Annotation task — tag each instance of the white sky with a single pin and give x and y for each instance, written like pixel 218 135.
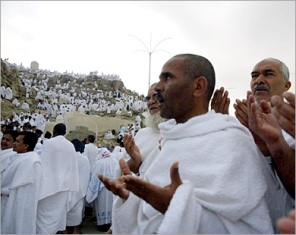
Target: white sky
pixel 84 36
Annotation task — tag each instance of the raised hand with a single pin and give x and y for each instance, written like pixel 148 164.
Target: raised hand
pixel 134 152
pixel 220 101
pixel 266 125
pixel 117 186
pixel 156 196
pixel 262 121
pixel 241 112
pixel 285 112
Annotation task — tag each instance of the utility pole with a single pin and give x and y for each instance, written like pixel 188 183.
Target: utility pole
pixel 150 52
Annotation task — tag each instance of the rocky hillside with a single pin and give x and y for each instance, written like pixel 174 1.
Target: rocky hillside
pixel 11 76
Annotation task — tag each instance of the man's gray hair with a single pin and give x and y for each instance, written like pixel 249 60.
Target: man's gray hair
pixel 284 68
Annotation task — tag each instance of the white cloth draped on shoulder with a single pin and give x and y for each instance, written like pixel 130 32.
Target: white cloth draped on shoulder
pixel 218 156
pixel 59 180
pixel 20 187
pixel 75 215
pixel 6 158
pixel 59 167
pixel 97 192
pixel 91 151
pixel 147 140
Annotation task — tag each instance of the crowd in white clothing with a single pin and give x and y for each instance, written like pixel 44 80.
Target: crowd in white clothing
pixel 37 120
pixel 64 96
pixel 58 205
pixel 159 187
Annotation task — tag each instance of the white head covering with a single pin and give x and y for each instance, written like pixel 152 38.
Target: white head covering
pixel 103 153
pixel 117 153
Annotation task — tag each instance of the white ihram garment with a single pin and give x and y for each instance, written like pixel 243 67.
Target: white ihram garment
pixel 223 187
pixel 59 179
pixel 75 215
pixel 147 140
pixel 91 151
pixel 5 158
pixel 20 187
pixel 97 192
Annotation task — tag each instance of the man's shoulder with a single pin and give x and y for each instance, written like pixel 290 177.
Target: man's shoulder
pixel 7 152
pixel 82 158
pixel 147 130
pixel 34 156
pixel 92 145
pixel 28 158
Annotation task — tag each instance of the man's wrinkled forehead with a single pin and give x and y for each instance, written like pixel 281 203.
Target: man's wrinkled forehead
pixel 266 65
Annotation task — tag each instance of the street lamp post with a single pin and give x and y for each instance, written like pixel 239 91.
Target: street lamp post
pixel 150 52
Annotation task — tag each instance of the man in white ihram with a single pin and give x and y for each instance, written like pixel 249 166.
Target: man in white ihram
pixel 142 149
pixel 75 215
pixel 220 187
pixel 20 187
pixel 7 141
pixel 59 181
pixel 91 150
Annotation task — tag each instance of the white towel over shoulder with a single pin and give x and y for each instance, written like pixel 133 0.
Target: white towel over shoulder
pixel 222 180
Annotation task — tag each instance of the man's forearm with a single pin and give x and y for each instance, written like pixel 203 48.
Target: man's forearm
pixel 284 158
pixel 261 144
pixel 134 165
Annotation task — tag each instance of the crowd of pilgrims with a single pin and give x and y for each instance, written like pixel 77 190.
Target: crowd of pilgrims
pixel 69 176
pixel 52 104
pixel 65 97
pixel 93 200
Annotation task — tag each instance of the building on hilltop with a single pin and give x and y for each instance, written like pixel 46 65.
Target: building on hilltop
pixel 34 65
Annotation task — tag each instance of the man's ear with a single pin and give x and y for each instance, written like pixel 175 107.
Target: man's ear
pixel 287 85
pixel 200 86
pixel 26 146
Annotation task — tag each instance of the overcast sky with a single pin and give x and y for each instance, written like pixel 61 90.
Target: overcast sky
pixel 85 36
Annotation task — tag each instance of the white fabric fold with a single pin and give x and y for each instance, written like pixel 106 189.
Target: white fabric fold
pixel 96 191
pixel 5 158
pixel 174 223
pixel 59 167
pixel 218 156
pixel 20 186
pixel 76 203
pixel 60 178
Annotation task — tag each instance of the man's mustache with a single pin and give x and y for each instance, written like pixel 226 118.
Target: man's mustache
pixel 261 86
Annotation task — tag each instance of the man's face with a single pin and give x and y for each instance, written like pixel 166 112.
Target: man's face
pixel 3 129
pixel 7 142
pixel 267 80
pixel 176 91
pixel 19 145
pixel 152 102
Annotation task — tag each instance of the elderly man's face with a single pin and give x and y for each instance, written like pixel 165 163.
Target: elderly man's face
pixel 268 80
pixel 152 102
